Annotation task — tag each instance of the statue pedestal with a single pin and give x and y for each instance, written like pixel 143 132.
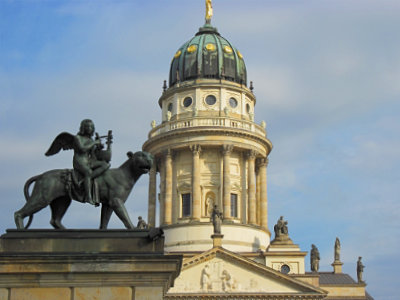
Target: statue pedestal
pixel 217 239
pixel 337 266
pixel 85 264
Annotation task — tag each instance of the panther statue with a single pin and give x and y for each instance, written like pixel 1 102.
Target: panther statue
pixel 114 185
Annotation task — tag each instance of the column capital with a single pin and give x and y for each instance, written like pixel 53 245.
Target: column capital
pixel 168 153
pixel 262 162
pixel 196 149
pixel 227 149
pixel 251 154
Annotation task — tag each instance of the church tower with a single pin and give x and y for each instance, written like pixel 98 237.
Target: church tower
pixel 209 150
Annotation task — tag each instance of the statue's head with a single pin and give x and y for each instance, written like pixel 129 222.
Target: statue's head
pixel 141 161
pixel 86 128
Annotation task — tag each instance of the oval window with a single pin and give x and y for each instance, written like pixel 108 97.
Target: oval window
pixel 187 102
pixel 211 100
pixel 233 102
pixel 285 269
pixel 248 108
pixel 170 107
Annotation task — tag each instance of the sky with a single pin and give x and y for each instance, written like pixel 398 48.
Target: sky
pixel 326 76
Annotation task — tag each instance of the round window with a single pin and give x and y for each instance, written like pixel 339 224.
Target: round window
pixel 211 100
pixel 170 107
pixel 248 108
pixel 233 102
pixel 285 269
pixel 187 102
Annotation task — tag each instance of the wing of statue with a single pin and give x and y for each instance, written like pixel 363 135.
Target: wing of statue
pixel 63 141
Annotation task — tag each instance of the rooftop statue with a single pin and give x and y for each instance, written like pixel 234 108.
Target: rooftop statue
pixel 281 228
pixel 360 270
pixel 314 258
pixel 209 11
pixel 90 181
pixel 337 250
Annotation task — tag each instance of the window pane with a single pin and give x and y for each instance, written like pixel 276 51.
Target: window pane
pixel 186 205
pixel 234 205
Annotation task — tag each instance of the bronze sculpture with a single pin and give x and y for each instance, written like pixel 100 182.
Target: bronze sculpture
pixel 314 258
pixel 89 160
pixel 58 188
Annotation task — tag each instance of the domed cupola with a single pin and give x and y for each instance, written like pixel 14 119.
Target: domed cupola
pixel 207 55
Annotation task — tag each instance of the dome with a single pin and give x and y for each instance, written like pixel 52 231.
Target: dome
pixel 207 55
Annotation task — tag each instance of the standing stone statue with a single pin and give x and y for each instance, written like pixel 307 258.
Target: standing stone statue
pixel 337 249
pixel 216 219
pixel 314 258
pixel 360 270
pixel 281 228
pixel 141 223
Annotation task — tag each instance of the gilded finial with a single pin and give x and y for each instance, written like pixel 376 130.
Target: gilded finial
pixel 209 11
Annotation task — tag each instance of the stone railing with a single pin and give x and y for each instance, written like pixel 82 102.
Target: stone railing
pixel 216 122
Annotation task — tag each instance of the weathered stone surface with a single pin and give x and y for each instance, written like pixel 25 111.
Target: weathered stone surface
pixel 41 294
pixel 80 241
pixel 3 294
pixel 103 293
pixel 84 264
pixel 148 293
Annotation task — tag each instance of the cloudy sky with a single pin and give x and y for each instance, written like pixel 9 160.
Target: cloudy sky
pixel 327 81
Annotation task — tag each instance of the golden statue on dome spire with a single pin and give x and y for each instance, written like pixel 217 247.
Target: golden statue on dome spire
pixel 209 11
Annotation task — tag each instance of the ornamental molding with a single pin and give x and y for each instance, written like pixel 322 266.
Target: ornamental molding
pixel 188 132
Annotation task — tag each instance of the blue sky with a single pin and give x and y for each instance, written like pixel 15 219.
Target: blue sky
pixel 326 77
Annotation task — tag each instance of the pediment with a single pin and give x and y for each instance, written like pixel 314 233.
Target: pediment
pixel 221 271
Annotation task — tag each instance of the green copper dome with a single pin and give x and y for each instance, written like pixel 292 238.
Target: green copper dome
pixel 207 55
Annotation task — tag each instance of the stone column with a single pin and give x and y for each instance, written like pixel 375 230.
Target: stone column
pixel 196 192
pixel 263 193
pixel 252 187
pixel 258 194
pixel 168 188
pixel 162 193
pixel 151 212
pixel 227 150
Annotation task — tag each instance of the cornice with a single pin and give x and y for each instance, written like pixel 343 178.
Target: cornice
pixel 207 131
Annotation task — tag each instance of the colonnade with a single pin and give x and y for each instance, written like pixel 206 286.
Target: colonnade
pixel 256 195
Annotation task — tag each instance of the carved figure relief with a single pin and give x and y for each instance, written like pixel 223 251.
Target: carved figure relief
pixel 216 278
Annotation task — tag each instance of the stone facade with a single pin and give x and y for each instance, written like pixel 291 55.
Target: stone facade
pixel 84 264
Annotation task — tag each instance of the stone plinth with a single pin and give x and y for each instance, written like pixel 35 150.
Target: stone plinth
pixel 85 264
pixel 217 239
pixel 337 266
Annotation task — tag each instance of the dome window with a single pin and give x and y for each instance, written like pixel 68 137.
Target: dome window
pixel 285 269
pixel 187 102
pixel 233 102
pixel 211 100
pixel 177 54
pixel 239 54
pixel 192 48
pixel 170 106
pixel 248 108
pixel 228 50
pixel 210 47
